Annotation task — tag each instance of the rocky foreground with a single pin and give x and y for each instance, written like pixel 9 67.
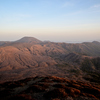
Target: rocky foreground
pixel 49 88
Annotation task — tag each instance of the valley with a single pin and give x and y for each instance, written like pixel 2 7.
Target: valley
pixel 30 57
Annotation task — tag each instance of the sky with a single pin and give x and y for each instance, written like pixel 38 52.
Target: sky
pixel 53 20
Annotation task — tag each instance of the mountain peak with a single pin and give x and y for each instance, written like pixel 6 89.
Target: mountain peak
pixel 28 40
pixel 95 42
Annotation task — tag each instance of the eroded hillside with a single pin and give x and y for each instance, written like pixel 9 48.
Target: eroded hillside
pixel 31 57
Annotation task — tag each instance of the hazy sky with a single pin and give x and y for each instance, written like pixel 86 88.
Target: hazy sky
pixel 54 20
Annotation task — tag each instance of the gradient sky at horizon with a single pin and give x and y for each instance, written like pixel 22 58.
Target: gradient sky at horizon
pixel 54 20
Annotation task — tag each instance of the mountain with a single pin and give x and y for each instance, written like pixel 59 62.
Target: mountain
pixel 28 40
pixel 31 57
pixel 3 43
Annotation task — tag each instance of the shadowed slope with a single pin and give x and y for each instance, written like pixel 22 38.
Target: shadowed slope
pixel 49 88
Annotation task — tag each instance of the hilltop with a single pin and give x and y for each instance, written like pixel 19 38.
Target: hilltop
pixel 29 56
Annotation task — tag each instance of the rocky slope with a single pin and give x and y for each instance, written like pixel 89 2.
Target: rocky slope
pixel 31 57
pixel 49 88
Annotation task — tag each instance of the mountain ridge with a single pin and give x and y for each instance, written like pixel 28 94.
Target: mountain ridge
pixel 30 55
pixel 27 39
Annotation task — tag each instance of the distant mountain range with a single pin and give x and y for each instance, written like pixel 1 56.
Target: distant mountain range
pixel 30 57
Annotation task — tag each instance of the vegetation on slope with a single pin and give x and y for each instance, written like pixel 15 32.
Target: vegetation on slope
pixel 49 88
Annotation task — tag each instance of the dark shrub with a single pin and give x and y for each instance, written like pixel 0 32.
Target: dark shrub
pixel 56 93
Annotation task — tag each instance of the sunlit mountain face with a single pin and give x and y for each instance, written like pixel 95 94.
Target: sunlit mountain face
pixel 73 69
pixel 29 56
pixel 58 56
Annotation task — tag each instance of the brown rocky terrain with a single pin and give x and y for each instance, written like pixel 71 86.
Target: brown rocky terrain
pixel 49 88
pixel 30 57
